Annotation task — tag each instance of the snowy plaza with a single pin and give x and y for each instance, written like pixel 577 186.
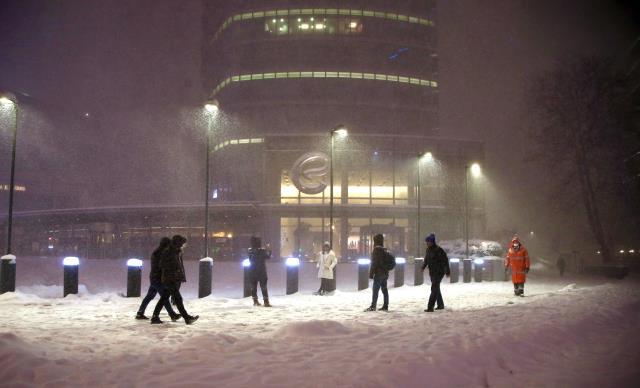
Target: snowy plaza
pixel 264 167
pixel 572 331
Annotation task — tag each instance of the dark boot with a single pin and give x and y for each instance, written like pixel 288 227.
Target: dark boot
pixel 255 302
pixel 384 308
pixel 266 303
pixel 428 310
pixel 140 315
pixel 155 320
pixel 370 308
pixel 189 319
pixel 176 317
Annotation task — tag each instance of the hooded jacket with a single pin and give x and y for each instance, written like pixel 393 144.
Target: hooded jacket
pixel 436 259
pixel 518 262
pixel 172 267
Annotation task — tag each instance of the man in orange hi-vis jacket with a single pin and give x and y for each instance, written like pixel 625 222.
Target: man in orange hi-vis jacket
pixel 518 261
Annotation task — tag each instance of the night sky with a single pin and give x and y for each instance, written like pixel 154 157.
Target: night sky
pixel 112 86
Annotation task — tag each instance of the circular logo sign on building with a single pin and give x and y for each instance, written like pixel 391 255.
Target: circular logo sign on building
pixel 309 173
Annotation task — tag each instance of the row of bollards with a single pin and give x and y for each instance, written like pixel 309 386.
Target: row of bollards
pixel 478 269
pixel 470 268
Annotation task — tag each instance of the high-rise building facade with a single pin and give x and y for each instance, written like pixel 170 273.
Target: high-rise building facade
pixel 288 72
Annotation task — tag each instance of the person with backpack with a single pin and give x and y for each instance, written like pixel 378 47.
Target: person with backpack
pixel 326 262
pixel 155 282
pixel 258 270
pixel 436 259
pixel 381 263
pixel 172 275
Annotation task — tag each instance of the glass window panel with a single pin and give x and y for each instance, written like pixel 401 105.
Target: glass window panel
pixel 288 228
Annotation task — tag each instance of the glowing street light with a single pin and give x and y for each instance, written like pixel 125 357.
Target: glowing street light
pixel 476 171
pixel 211 108
pixel 8 100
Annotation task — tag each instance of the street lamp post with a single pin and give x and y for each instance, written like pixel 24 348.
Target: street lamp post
pixel 475 171
pixel 211 107
pixel 427 157
pixel 340 130
pixel 418 236
pixel 7 98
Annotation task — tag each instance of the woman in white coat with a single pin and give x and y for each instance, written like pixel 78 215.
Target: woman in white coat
pixel 326 262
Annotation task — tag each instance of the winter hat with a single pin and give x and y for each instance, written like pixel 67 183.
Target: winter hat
pixel 178 240
pixel 164 242
pixel 255 242
pixel 327 244
pixel 431 237
pixel 378 239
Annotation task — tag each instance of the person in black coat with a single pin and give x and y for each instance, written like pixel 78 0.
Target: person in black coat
pixel 172 275
pixel 379 273
pixel 155 282
pixel 561 264
pixel 258 270
pixel 436 259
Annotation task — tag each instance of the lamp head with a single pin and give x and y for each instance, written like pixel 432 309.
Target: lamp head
pixel 340 130
pixel 476 171
pixel 8 98
pixel 212 106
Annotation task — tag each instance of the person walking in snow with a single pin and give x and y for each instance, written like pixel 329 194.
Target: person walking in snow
pixel 435 258
pixel 326 263
pixel 155 282
pixel 518 261
pixel 561 264
pixel 379 272
pixel 172 275
pixel 258 270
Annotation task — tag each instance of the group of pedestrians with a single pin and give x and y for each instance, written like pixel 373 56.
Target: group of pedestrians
pixel 167 274
pixel 436 260
pixel 382 262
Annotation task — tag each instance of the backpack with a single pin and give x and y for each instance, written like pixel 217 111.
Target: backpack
pixel 389 261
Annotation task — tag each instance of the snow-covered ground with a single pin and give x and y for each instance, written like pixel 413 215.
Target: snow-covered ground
pixel 565 332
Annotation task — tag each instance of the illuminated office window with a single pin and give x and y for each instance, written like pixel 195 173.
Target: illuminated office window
pixel 318 20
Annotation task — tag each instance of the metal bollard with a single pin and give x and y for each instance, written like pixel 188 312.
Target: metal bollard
pixel 488 271
pixel 205 276
pixel 70 265
pixel 398 275
pixel 478 266
pixel 134 278
pixel 466 270
pixel 293 266
pixel 454 267
pixel 363 273
pixel 246 265
pixel 7 274
pixel 331 283
pixel 418 274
